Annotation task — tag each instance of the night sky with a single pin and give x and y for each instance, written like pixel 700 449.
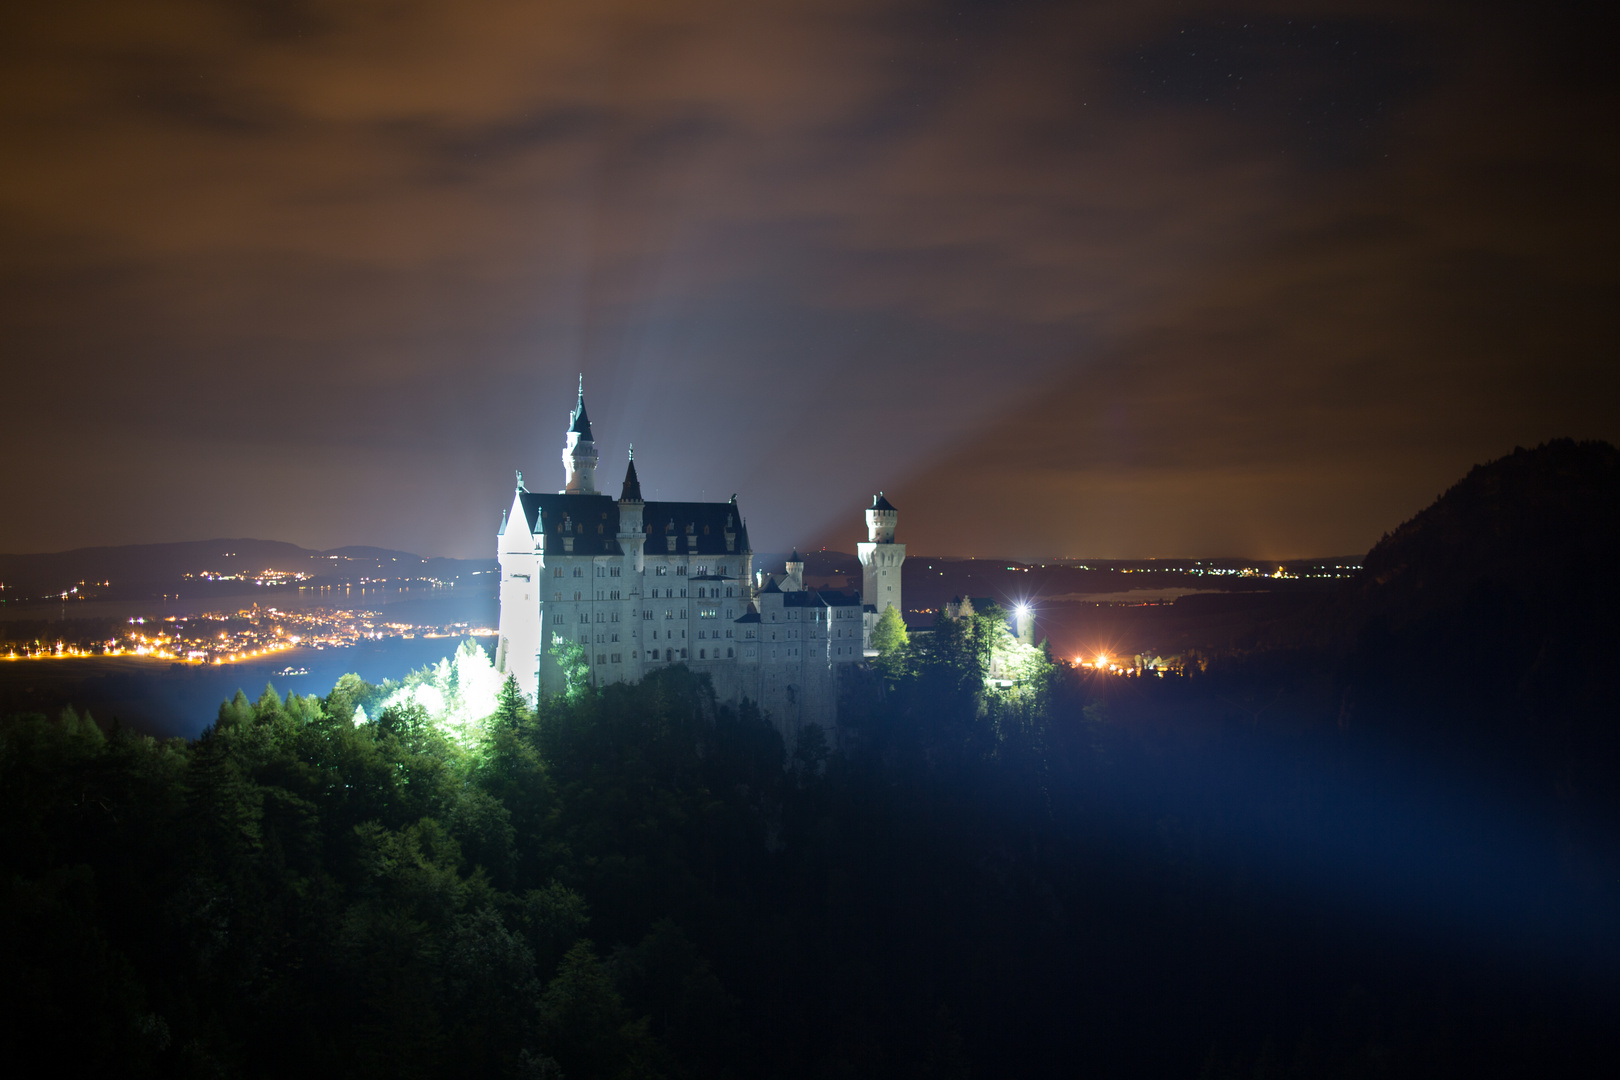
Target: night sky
pixel 1062 279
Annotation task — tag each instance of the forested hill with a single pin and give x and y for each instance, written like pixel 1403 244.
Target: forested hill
pixel 1542 524
pixel 1494 609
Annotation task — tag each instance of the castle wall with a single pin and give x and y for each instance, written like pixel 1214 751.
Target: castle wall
pixel 645 585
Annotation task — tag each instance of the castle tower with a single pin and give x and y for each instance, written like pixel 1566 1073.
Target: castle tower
pixel 579 452
pixel 795 573
pixel 519 552
pixel 632 537
pixel 881 558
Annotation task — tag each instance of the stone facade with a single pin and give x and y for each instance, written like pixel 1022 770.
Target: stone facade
pixel 642 585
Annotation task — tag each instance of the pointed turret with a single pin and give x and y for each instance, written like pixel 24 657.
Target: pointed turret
pixel 579 451
pixel 632 483
pixel 795 573
pixel 578 422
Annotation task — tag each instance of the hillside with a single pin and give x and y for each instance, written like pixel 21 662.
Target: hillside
pixel 1495 606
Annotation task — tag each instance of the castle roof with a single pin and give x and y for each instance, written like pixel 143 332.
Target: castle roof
pixel 632 483
pixel 795 557
pixel 592 520
pixel 582 514
pixel 708 522
pixel 878 501
pixel 577 420
pixel 817 598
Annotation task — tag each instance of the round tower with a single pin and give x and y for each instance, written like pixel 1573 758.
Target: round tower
pixel 881 517
pixel 881 559
pixel 795 573
pixel 579 451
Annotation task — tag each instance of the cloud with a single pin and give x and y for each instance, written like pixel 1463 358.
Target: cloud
pixel 1218 279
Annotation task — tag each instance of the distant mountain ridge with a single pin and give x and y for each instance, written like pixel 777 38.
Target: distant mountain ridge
pixel 139 569
pixel 1540 522
pixel 1495 606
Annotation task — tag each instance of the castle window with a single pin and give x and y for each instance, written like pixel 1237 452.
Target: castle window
pixel 728 633
pixel 683 592
pixel 654 654
pixel 617 657
pixel 578 595
pixel 613 637
pixel 728 590
pixel 614 572
pixel 579 571
pixel 683 654
pixel 663 571
pixel 556 596
pixel 728 653
pixel 598 616
pixel 646 614
pixel 668 613
pixel 557 572
pixel 601 658
pixel 599 530
pixel 703 654
pixel 680 571
pixel 702 569
pixel 601 571
pixel 721 571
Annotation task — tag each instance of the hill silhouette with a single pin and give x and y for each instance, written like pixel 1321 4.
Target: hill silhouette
pixel 1493 609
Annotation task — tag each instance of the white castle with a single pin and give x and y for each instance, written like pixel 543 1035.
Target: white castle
pixel 643 585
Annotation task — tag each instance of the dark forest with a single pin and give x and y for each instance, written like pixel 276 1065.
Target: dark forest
pixel 1387 851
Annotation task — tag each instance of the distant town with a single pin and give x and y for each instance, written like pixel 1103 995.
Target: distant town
pixel 227 637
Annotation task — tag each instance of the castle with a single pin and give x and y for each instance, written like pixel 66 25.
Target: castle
pixel 642 585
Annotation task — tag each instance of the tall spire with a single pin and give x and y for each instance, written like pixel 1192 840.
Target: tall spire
pixel 579 451
pixel 632 483
pixel 578 422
